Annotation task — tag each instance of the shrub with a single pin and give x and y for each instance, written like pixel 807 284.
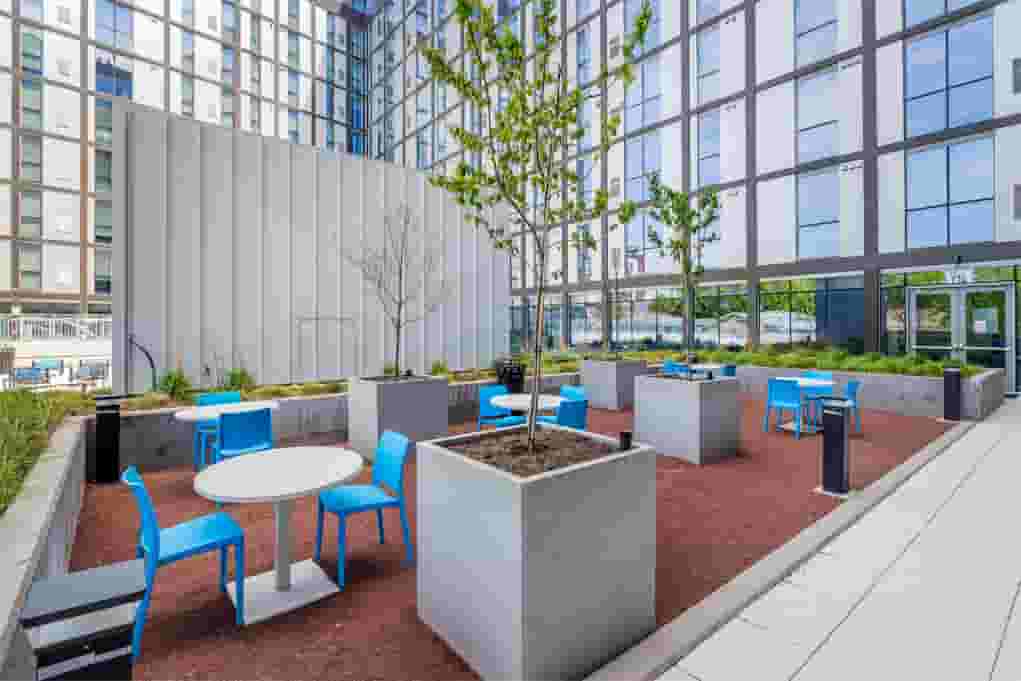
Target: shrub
pixel 148 401
pixel 439 368
pixel 26 420
pixel 175 384
pixel 239 379
pixel 389 369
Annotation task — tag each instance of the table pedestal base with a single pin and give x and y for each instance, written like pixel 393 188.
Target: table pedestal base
pixel 806 427
pixel 262 600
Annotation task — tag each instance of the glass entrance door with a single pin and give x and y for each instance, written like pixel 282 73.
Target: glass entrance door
pixel 974 324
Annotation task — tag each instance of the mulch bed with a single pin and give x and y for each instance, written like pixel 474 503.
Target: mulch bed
pixel 553 449
pixel 712 522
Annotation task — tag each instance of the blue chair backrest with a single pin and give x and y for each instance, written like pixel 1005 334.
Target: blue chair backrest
pixel 207 399
pixel 672 367
pixel 25 374
pixel 852 390
pixel 821 375
pixel 573 414
pixel 572 392
pixel 487 393
pixel 245 429
pixel 47 364
pixel 729 370
pixel 388 468
pixel 783 392
pixel 150 534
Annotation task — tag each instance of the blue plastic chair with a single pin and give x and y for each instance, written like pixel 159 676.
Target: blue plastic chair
pixel 570 414
pixel 48 364
pixel 573 392
pixel 783 395
pixel 387 472
pixel 490 415
pixel 243 432
pixel 672 367
pixel 205 431
pixel 159 547
pixel 729 370
pixel 816 392
pixel 852 397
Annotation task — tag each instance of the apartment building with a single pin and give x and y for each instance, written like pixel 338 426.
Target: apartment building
pixel 284 68
pixel 867 154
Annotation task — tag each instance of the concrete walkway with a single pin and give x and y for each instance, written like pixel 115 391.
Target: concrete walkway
pixel 924 586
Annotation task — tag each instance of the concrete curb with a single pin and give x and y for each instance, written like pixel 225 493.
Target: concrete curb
pixel 672 642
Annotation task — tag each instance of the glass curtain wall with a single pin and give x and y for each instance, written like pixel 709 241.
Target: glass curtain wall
pixel 825 311
pixel 721 316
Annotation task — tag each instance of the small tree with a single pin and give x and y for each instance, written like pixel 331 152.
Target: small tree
pixel 525 125
pixel 397 271
pixel 685 220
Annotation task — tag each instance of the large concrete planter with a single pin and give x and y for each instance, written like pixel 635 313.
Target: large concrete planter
pixel 611 385
pixel 415 407
pixel 545 577
pixel 698 421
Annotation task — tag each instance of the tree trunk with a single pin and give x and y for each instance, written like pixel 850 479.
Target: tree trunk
pixel 540 318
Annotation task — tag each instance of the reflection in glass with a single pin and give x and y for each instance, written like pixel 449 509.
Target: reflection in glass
pixel 933 322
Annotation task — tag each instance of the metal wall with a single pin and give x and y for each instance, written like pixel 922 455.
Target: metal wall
pixel 229 252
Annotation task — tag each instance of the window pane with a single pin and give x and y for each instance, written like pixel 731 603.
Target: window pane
pixel 927 228
pixel 971 103
pixel 814 13
pixel 816 103
pixel 820 241
pixel 819 44
pixel 709 134
pixel 709 171
pixel 707 9
pixel 971 170
pixel 970 51
pixel 926 114
pixel 972 222
pixel 708 51
pixel 818 197
pixel 925 66
pixel 927 181
pixel 917 11
pixel 708 88
pixel 819 142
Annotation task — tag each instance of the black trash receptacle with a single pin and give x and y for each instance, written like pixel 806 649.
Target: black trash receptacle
pixel 836 424
pixel 80 624
pixel 952 394
pixel 512 376
pixel 103 465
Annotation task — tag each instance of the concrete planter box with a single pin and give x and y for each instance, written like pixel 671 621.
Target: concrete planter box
pixel 545 577
pixel 698 421
pixel 611 385
pixel 981 395
pixel 416 408
pixel 154 440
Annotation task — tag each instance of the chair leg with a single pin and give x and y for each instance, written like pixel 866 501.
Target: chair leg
pixel 765 420
pixel 319 530
pixel 140 614
pixel 341 550
pixel 408 551
pixel 239 581
pixel 379 521
pixel 797 423
pixel 223 569
pixel 195 448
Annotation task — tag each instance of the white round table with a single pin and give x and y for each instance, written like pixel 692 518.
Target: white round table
pixel 280 476
pixel 213 411
pixel 522 402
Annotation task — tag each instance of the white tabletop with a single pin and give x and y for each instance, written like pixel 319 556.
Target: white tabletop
pixel 213 411
pixel 277 474
pixel 523 402
pixel 806 382
pixel 707 367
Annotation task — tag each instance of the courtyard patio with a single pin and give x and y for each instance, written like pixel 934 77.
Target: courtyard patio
pixel 713 522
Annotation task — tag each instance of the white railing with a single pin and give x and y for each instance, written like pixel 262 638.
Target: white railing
pixel 29 328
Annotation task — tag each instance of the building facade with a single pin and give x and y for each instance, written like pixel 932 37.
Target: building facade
pixel 284 68
pixel 867 154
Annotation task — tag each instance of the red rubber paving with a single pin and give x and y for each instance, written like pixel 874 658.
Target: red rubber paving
pixel 712 521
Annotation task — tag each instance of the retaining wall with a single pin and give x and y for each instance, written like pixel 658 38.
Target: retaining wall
pixel 37 534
